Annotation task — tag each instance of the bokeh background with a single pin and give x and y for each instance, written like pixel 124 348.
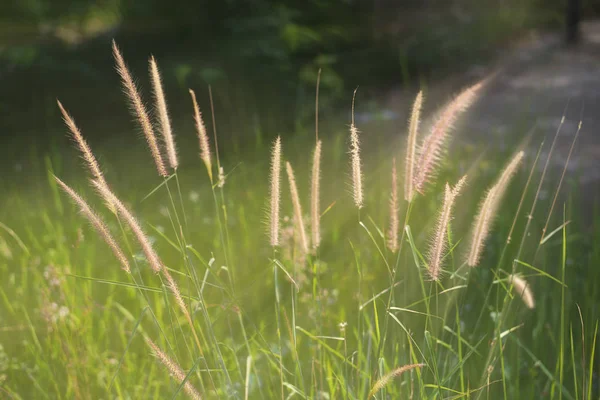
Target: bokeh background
pixel 261 60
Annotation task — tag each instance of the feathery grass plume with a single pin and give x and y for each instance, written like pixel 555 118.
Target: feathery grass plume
pixel 384 380
pixel 430 151
pixel 202 136
pixel 142 238
pixel 393 231
pixel 440 241
pixel 488 210
pixel 139 110
pixel 163 114
pixel 97 223
pixel 315 211
pixel 523 289
pixel 275 194
pixel 411 147
pixel 86 152
pixel 175 370
pixel 151 256
pixel 297 207
pixel 356 165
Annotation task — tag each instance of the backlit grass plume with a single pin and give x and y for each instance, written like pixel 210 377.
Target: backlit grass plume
pixel 86 152
pixel 175 370
pixel 153 259
pixel 440 240
pixel 411 147
pixel 523 289
pixel 384 380
pixel 97 223
pixel 357 185
pixel 275 193
pixel 202 136
pixel 432 147
pixel 139 110
pixel 488 210
pixel 110 198
pixel 297 207
pixel 315 210
pixel 392 241
pixel 160 104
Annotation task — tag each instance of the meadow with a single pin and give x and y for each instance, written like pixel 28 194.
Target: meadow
pixel 409 267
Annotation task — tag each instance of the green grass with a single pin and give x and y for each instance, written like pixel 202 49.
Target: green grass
pixel 275 324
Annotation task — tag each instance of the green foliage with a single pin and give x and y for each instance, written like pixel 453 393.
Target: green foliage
pixel 276 323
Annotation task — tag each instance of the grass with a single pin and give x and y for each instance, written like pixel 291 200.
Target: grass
pixel 351 320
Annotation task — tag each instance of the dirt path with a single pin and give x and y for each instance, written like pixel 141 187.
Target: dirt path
pixel 536 82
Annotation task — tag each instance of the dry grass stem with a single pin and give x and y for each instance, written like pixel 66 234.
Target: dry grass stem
pixel 315 210
pixel 393 230
pixel 97 223
pixel 440 240
pixel 86 152
pixel 275 192
pixel 355 160
pixel 523 289
pixel 411 147
pixel 142 238
pixel 384 380
pixel 488 210
pixel 175 370
pixel 163 114
pixel 297 207
pixel 430 151
pixel 202 136
pixel 139 110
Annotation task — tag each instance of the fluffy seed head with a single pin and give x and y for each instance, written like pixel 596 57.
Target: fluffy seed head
pixel 488 210
pixel 315 211
pixel 384 380
pixel 432 147
pixel 139 110
pixel 163 114
pixel 151 256
pixel 440 241
pixel 411 147
pixel 393 231
pixel 355 162
pixel 86 152
pixel 175 370
pixel 523 289
pixel 297 208
pixel 97 223
pixel 275 192
pixel 202 136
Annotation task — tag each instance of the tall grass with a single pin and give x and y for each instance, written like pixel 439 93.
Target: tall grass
pixel 359 310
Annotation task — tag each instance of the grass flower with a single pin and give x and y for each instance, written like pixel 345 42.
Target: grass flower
pixel 315 211
pixel 355 162
pixel 163 114
pixel 430 151
pixel 488 210
pixel 440 241
pixel 86 152
pixel 523 289
pixel 384 380
pixel 97 223
pixel 202 136
pixel 139 110
pixel 297 207
pixel 175 370
pixel 411 147
pixel 392 242
pixel 275 192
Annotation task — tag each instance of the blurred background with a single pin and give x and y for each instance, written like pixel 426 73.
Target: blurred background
pixel 261 58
